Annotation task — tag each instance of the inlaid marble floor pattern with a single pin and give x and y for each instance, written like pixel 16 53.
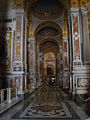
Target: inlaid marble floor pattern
pixel 46 103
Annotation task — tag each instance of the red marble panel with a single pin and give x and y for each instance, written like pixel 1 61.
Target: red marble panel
pixel 76 38
pixel 65 54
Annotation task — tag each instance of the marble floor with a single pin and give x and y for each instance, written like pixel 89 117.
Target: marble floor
pixel 48 103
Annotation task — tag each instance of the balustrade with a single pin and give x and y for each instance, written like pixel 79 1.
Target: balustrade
pixel 6 95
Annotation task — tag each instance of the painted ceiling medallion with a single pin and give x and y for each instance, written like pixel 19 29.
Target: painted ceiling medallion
pixel 47 9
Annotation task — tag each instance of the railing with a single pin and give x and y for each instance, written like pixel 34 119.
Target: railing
pixel 84 100
pixel 7 94
pixel 87 101
pixel 11 93
pixel 3 95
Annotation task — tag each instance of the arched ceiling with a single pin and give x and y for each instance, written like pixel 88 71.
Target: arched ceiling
pixel 49 45
pixel 50 25
pixel 48 30
pixel 50 41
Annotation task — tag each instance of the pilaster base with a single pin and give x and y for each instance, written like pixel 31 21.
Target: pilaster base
pixel 21 96
pixel 81 79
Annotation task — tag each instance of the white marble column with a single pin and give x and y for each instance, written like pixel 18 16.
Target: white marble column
pixel 85 37
pixel 80 51
pixel 32 61
pixel 65 63
pixel 19 52
pixel 26 55
pixel 61 66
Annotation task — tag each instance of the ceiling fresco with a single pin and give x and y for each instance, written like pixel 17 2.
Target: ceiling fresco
pixel 48 31
pixel 48 24
pixel 47 9
pixel 31 3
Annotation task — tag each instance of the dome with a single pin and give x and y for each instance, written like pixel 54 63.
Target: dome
pixel 47 9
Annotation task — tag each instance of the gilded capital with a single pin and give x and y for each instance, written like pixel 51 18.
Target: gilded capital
pixel 74 3
pixel 83 3
pixel 65 26
pixel 18 4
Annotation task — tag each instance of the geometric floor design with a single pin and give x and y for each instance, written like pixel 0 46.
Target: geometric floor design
pixel 44 111
pixel 62 113
pixel 48 104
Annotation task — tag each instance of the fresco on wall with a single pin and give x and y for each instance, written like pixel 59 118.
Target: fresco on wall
pixel 76 38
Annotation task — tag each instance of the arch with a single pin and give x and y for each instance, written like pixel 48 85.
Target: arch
pixel 48 40
pixel 51 24
pixel 52 43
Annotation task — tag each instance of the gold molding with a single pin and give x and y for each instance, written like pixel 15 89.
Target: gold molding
pixel 79 3
pixel 65 26
pixel 30 26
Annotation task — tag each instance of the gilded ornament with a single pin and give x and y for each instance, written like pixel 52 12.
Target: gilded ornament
pixel 65 27
pixel 83 3
pixel 18 4
pixel 18 24
pixel 18 49
pixel 74 3
pixel 30 26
